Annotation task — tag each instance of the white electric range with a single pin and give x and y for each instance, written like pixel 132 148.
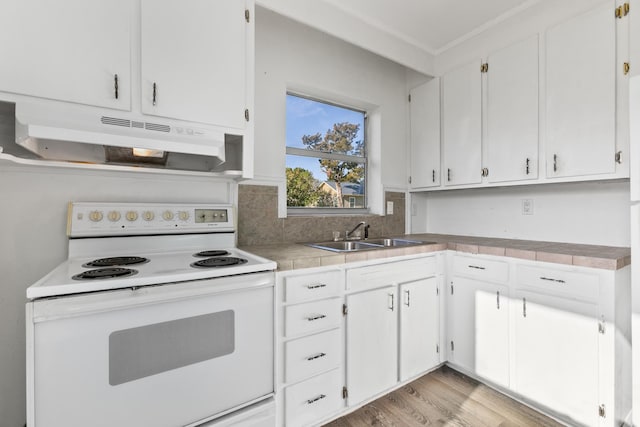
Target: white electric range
pixel 155 319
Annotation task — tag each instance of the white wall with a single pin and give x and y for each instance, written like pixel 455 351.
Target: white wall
pixel 33 209
pixel 589 213
pixel 291 56
pixel 329 18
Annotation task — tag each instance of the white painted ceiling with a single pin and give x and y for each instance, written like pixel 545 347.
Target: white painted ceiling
pixel 431 25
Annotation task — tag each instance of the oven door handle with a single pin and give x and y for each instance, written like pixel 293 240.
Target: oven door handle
pixel 99 302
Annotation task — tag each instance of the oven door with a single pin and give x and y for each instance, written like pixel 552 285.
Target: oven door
pixel 168 355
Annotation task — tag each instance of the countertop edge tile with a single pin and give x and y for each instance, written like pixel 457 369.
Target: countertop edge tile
pixel 292 256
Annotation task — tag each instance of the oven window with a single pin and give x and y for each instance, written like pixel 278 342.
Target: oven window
pixel 148 350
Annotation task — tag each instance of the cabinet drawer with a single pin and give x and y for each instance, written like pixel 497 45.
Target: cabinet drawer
pixel 307 287
pixel 312 400
pixel 312 317
pixel 569 283
pixel 311 355
pixel 375 276
pixel 483 269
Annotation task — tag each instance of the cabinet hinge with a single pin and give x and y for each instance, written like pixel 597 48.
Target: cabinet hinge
pixel 409 180
pixel 437 291
pixel 622 10
pixel 247 15
pixel 626 68
pixel 484 68
pixel 345 392
pixel 452 289
pixel 452 346
pixel 344 309
pixel 246 114
pixel 602 412
pixel 409 97
pixel 437 348
pixel 601 326
pixel 618 157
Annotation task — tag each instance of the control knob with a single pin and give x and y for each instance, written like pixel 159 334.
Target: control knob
pixel 132 215
pixel 95 216
pixel 113 216
pixel 148 215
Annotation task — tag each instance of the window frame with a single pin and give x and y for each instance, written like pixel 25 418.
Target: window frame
pixel 364 159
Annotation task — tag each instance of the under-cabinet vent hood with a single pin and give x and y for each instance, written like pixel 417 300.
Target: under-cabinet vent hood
pixel 96 136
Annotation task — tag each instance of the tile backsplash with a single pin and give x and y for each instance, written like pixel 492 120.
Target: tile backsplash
pixel 258 222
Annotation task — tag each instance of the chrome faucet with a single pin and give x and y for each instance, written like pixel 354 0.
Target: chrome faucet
pixel 366 230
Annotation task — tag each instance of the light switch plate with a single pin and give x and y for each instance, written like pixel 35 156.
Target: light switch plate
pixel 389 208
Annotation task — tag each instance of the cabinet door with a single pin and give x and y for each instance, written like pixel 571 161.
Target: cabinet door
pixel 194 55
pixel 372 343
pixel 425 135
pixel 69 50
pixel 479 328
pixel 462 125
pixel 556 354
pixel 512 112
pixel 419 327
pixel 580 94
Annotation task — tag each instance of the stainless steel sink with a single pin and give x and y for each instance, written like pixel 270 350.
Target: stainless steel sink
pixel 395 242
pixel 348 246
pixel 360 245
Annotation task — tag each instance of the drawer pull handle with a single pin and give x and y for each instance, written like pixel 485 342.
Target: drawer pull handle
pixel 524 307
pixel 477 267
pixel 391 306
pixel 408 294
pixel 317 356
pixel 549 279
pixel 317 317
pixel 315 399
pixel 316 286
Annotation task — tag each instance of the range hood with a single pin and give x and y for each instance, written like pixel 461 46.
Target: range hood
pixel 78 134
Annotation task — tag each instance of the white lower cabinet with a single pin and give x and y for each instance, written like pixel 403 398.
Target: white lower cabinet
pixel 555 352
pixel 419 327
pixel 310 347
pixel 478 314
pixel 313 399
pixel 372 343
pixel 556 337
pixel 392 331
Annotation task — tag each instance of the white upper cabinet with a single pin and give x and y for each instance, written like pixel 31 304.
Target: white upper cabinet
pixel 512 112
pixel 581 95
pixel 194 60
pixel 462 125
pixel 425 135
pixel 71 50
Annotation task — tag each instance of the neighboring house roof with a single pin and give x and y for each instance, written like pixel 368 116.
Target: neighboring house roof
pixel 348 188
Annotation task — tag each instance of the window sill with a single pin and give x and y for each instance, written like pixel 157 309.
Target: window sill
pixel 327 211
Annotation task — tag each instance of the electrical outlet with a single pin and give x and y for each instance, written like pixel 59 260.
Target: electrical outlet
pixel 527 206
pixel 389 208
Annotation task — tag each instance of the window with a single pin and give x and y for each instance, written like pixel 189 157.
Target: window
pixel 326 155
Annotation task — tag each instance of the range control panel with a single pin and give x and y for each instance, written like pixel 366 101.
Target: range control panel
pixel 87 219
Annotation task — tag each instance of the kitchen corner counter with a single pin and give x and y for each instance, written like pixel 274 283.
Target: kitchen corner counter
pixel 293 256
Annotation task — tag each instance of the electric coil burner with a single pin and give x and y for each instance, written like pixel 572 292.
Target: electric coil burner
pixel 211 253
pixel 218 262
pixel 104 273
pixel 114 261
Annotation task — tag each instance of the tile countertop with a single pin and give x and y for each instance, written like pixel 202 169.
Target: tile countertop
pixel 291 256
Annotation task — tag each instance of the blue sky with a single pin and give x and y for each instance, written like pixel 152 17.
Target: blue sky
pixel 307 117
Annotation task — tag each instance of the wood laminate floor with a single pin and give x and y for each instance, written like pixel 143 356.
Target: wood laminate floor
pixel 444 397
